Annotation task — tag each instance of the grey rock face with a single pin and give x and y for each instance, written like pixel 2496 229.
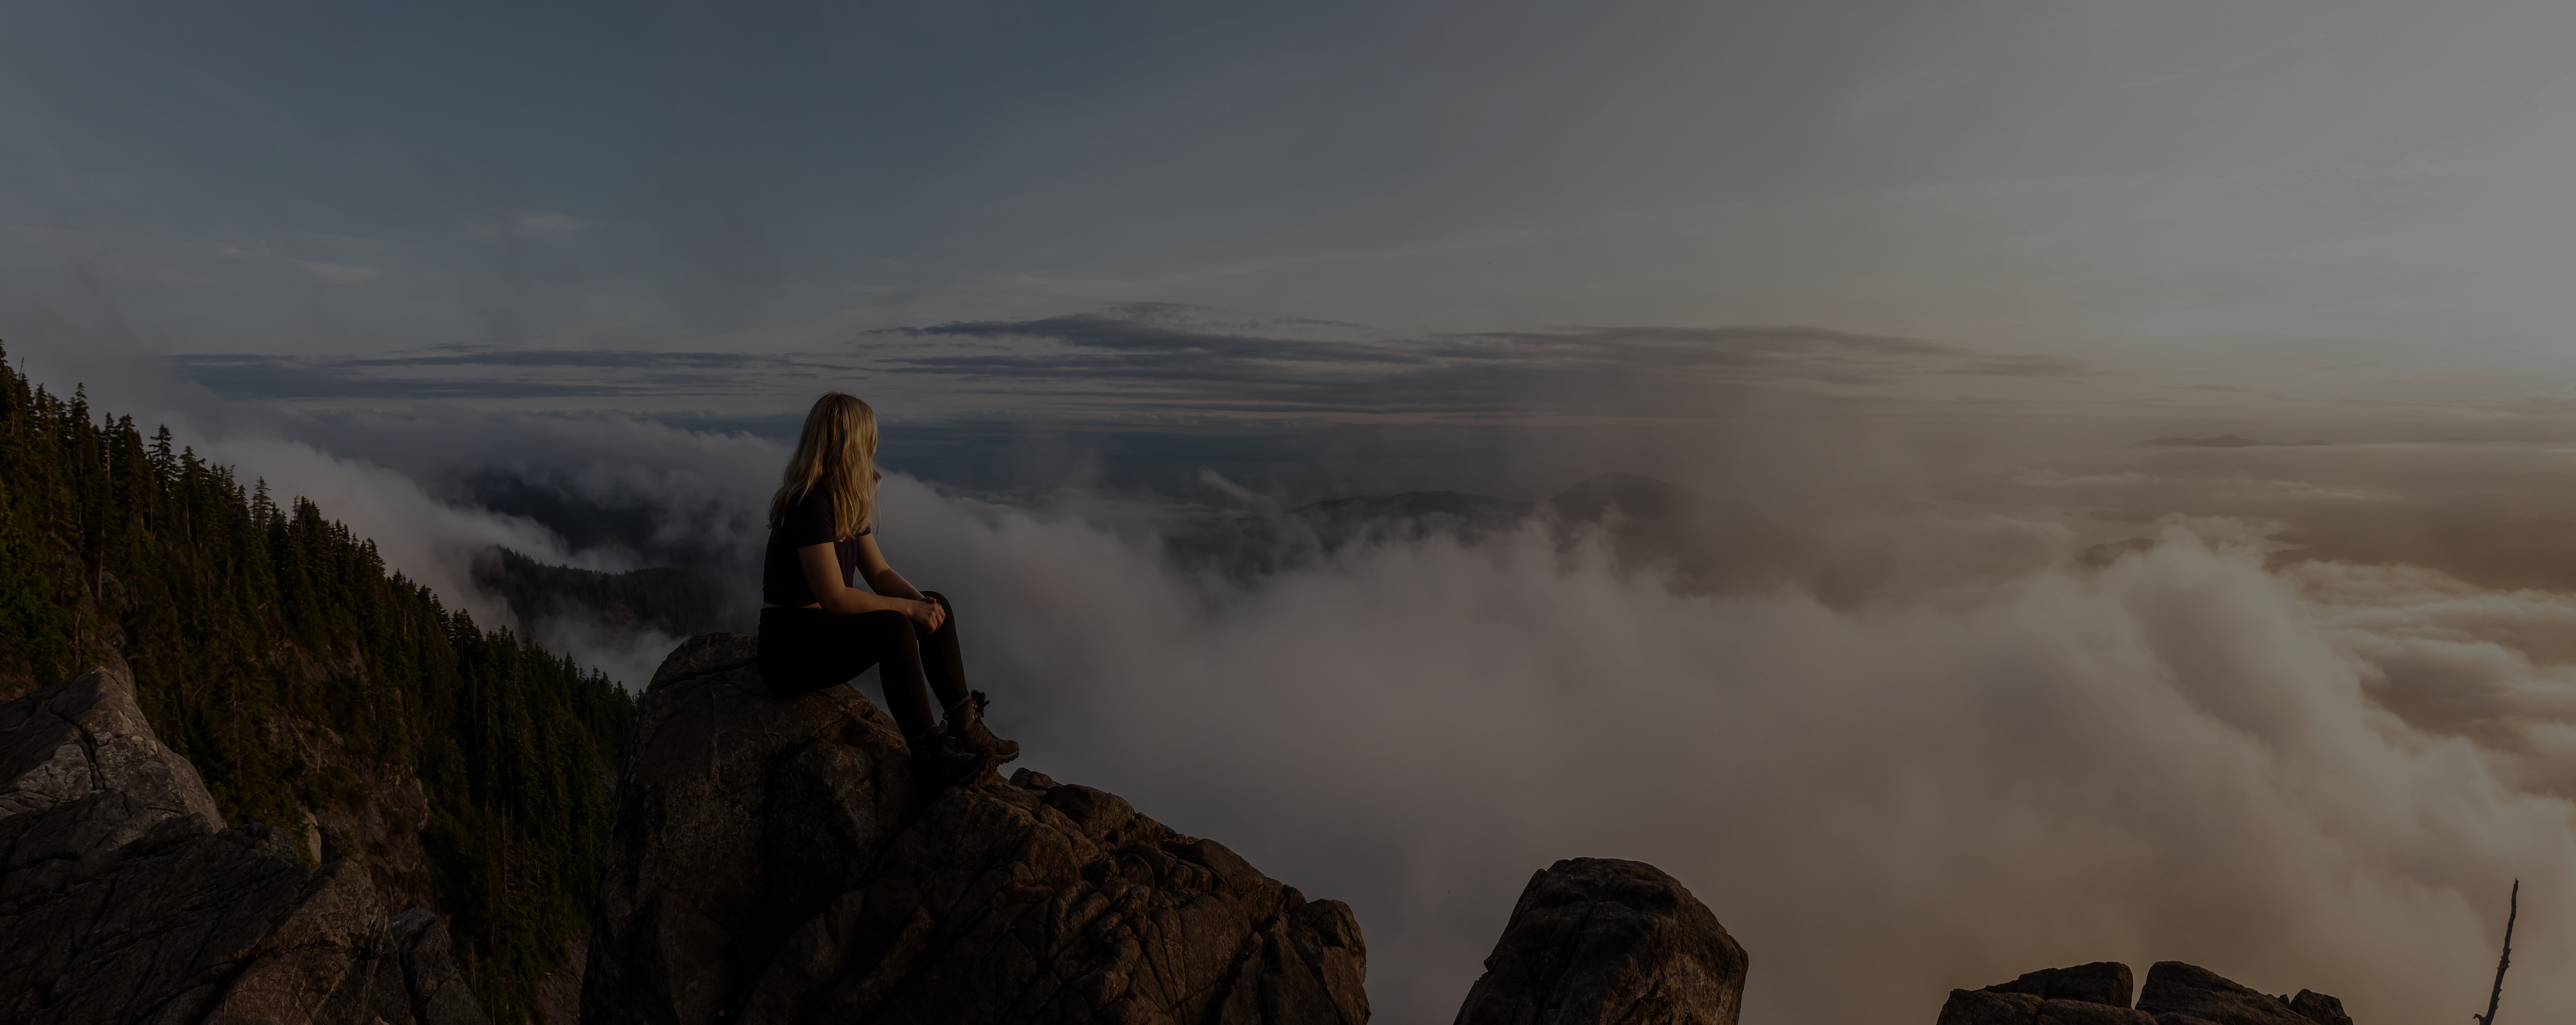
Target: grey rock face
pixel 1987 1007
pixel 2175 994
pixel 1600 940
pixel 86 737
pixel 2101 982
pixel 772 861
pixel 2180 994
pixel 123 898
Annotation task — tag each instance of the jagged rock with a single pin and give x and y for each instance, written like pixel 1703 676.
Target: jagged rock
pixel 1987 1007
pixel 123 898
pixel 2101 982
pixel 2182 994
pixel 2320 1008
pixel 772 861
pixel 378 820
pixel 559 992
pixel 85 738
pixel 1601 940
pixel 1992 1007
pixel 437 992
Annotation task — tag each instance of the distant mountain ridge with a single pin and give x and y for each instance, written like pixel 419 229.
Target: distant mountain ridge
pixel 668 600
pixel 2221 441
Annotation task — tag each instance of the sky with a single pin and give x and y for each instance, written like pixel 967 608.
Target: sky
pixel 687 207
pixel 1902 278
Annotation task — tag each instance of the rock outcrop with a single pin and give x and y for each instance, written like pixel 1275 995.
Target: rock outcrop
pixel 2101 982
pixel 368 811
pixel 1991 1007
pixel 2182 994
pixel 124 898
pixel 1600 940
pixel 2098 994
pixel 772 861
pixel 2319 1008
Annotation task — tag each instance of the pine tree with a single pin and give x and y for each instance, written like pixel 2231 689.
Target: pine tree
pixel 237 614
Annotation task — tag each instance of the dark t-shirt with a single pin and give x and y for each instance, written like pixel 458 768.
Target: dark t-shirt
pixel 809 522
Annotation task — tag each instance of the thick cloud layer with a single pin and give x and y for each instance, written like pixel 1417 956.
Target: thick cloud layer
pixel 2323 778
pixel 2304 775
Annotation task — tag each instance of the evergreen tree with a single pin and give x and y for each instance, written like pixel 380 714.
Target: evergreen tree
pixel 236 613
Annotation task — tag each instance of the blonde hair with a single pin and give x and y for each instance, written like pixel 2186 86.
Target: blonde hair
pixel 836 453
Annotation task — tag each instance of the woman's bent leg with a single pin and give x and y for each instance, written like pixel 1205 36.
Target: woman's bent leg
pixel 939 658
pixel 965 707
pixel 808 649
pixel 907 694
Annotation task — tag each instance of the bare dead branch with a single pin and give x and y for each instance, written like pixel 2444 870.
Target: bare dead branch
pixel 2513 906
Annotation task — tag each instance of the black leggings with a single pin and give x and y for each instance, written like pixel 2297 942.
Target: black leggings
pixel 810 649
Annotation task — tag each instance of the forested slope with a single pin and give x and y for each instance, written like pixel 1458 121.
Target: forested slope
pixel 241 617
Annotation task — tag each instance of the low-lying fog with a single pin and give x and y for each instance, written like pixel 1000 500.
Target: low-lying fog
pixel 1899 741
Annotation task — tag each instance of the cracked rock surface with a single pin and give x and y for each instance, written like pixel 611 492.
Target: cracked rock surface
pixel 1602 940
pixel 123 898
pixel 2098 994
pixel 772 862
pixel 2185 994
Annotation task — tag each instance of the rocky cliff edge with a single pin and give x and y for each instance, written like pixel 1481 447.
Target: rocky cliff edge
pixel 772 861
pixel 124 898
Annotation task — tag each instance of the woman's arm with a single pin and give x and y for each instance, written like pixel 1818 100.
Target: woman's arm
pixel 882 579
pixel 823 574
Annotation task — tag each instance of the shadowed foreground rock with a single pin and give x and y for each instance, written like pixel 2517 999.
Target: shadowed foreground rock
pixel 2182 994
pixel 1988 1007
pixel 2098 994
pixel 772 862
pixel 2101 982
pixel 1600 940
pixel 123 898
pixel 2088 994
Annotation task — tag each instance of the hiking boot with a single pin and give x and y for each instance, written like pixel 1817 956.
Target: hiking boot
pixel 938 762
pixel 966 729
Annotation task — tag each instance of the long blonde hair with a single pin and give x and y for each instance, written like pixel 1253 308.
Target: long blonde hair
pixel 836 453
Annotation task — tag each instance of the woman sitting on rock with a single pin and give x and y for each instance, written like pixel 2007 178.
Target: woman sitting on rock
pixel 817 629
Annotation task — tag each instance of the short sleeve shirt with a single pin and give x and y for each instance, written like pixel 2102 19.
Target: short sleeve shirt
pixel 808 522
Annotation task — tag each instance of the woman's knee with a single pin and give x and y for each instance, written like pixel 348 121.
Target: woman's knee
pixel 949 620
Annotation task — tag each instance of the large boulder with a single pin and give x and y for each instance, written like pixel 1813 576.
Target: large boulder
pixel 2184 994
pixel 2320 1008
pixel 123 898
pixel 2012 1007
pixel 772 861
pixel 85 740
pixel 2101 982
pixel 2086 994
pixel 1600 940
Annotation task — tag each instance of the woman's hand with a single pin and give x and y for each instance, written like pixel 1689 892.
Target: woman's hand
pixel 928 614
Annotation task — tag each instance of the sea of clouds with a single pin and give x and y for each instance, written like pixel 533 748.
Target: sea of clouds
pixel 2313 775
pixel 2302 775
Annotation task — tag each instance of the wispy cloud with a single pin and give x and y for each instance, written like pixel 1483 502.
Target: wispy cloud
pixel 1166 356
pixel 1157 359
pixel 494 374
pixel 339 273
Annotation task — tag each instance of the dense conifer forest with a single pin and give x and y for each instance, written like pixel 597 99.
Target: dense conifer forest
pixel 672 601
pixel 235 610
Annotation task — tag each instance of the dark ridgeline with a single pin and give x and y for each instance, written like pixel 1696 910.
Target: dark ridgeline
pixel 666 599
pixel 249 625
